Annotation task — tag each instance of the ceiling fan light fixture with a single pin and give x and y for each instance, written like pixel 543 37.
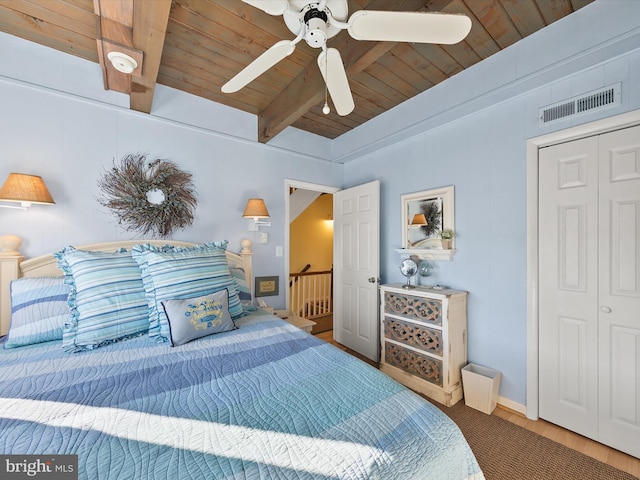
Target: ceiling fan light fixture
pixel 316 35
pixel 332 12
pixel 122 62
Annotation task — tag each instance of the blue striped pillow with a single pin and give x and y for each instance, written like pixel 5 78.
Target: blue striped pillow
pixel 175 273
pixel 39 310
pixel 106 297
pixel 240 278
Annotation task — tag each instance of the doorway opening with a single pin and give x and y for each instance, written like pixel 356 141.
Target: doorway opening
pixel 309 252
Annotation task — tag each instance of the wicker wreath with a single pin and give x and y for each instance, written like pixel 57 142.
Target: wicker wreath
pixel 154 198
pixel 433 214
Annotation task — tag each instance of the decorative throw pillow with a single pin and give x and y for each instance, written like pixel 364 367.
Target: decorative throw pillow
pixel 39 310
pixel 106 297
pixel 198 317
pixel 176 273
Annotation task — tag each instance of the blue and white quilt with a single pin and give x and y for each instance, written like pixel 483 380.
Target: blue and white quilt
pixel 265 401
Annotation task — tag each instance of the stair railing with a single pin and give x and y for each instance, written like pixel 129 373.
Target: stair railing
pixel 311 293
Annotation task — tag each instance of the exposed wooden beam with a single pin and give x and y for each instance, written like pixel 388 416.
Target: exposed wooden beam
pixel 136 28
pixel 150 19
pixel 115 34
pixel 307 89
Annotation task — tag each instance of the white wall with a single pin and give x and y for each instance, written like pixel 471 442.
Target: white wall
pixel 478 144
pixel 58 122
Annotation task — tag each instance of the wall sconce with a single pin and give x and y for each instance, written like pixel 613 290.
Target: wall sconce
pixel 256 209
pixel 25 189
pixel 419 220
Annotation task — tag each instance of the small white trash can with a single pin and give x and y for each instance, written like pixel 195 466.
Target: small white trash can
pixel 480 386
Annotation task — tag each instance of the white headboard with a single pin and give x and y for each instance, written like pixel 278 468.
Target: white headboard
pixel 12 267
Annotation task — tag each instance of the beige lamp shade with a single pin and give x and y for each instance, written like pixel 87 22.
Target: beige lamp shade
pixel 255 209
pixel 419 220
pixel 26 189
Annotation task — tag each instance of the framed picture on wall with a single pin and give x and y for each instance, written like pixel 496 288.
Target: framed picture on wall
pixel 267 286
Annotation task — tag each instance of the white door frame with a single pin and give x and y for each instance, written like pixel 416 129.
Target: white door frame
pixel 594 128
pixel 288 185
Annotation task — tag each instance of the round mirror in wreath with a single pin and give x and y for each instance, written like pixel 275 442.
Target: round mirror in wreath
pixel 154 198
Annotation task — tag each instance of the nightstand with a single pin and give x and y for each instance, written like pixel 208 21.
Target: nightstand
pixel 301 323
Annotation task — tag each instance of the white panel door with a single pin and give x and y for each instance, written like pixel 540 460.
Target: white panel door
pixel 568 301
pixel 357 268
pixel 619 302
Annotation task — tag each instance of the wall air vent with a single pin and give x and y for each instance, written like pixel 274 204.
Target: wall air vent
pixel 589 102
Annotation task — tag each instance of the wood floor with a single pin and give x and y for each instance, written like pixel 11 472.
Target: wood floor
pixel 577 442
pixel 572 440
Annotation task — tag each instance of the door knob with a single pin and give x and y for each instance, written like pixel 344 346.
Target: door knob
pixel 372 280
pixel 605 309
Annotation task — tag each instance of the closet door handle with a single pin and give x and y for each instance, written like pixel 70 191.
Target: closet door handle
pixel 605 309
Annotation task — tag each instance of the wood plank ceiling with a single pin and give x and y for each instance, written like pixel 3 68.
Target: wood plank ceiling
pixel 197 45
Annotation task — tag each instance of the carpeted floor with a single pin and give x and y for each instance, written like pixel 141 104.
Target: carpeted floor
pixel 506 451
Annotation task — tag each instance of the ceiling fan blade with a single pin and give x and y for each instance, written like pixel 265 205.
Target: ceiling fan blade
pixel 260 65
pixel 332 69
pixel 418 27
pixel 272 7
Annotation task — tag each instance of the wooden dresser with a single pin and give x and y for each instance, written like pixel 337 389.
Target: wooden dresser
pixel 424 339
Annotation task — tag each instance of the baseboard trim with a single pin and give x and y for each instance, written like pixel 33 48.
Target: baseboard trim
pixel 511 405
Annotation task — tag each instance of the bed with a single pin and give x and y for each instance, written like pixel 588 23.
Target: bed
pixel 263 399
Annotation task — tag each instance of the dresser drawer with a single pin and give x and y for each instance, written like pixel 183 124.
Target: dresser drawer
pixel 425 310
pixel 418 336
pixel 423 366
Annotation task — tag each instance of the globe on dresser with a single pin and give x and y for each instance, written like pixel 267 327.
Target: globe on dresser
pixel 408 268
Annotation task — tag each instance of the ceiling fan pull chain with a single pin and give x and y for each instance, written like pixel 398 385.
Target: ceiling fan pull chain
pixel 326 108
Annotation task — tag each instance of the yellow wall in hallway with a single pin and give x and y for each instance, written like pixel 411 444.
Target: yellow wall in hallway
pixel 311 237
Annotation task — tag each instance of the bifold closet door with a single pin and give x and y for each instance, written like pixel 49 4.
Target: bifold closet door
pixel 619 292
pixel 568 272
pixel 589 302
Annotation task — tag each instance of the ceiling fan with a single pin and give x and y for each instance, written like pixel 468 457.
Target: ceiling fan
pixel 317 21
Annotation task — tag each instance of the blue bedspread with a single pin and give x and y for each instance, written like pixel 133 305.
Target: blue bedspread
pixel 264 401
